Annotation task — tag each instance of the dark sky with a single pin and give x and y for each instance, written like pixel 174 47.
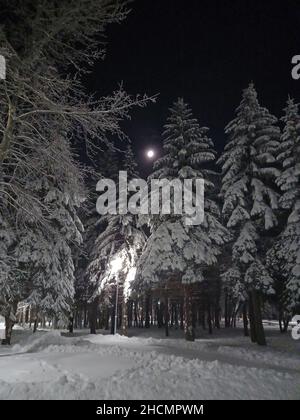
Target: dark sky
pixel 206 51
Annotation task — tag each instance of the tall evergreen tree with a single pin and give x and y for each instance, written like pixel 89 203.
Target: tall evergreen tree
pixel 48 250
pixel 250 198
pixel 284 257
pixel 118 236
pixel 176 249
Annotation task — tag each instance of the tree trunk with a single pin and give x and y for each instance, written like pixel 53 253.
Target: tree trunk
pixel 226 310
pixel 55 323
pixel 35 325
pixel 217 316
pixel 181 314
pixel 216 307
pixel 85 317
pixel 203 322
pixel 130 309
pixel 245 320
pixel 176 316
pixel 194 315
pixel 188 326
pixel 283 322
pixel 135 314
pixel 172 320
pixel 7 136
pixel 71 324
pixel 93 307
pixel 159 315
pixel 112 317
pixel 8 330
pixel 124 329
pixel 252 321
pixel 147 311
pixel 234 315
pixel 209 319
pixel 166 315
pixel 106 318
pixel 286 322
pixel 24 313
pixel 259 329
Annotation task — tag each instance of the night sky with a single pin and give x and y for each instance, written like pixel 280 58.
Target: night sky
pixel 206 51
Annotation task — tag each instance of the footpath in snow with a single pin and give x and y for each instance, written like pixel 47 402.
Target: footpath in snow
pixel 47 365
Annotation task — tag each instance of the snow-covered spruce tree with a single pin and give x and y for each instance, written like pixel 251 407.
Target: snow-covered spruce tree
pixel 137 242
pixel 118 239
pixel 284 257
pixel 105 165
pixel 176 250
pixel 250 197
pixel 46 249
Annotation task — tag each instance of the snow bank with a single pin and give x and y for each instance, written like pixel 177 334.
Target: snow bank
pixel 116 367
pixel 158 376
pixel 39 341
pixel 262 357
pixel 117 339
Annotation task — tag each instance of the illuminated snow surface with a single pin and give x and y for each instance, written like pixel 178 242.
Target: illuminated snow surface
pixel 226 365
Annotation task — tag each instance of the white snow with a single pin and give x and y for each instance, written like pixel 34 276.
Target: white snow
pixel 226 365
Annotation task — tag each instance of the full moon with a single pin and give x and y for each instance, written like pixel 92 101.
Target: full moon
pixel 150 154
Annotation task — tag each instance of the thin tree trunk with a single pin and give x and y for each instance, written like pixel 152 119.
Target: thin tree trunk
pixel 182 314
pixel 210 330
pixel 8 330
pixel 23 317
pixel 217 316
pixel 85 319
pixel 260 333
pixel 135 314
pixel 286 322
pixel 176 316
pixel 245 320
pixel 217 309
pixel 166 315
pixel 280 323
pixel 159 315
pixel 55 323
pixel 283 322
pixel 203 323
pixel 35 325
pixel 227 318
pixel 194 315
pixel 124 329
pixel 188 325
pixel 234 315
pixel 147 311
pixel 252 320
pixel 112 318
pixel 93 316
pixel 107 313
pixel 71 324
pixel 7 136
pixel 130 308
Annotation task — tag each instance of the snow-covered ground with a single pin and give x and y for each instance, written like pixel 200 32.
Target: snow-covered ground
pixel 47 365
